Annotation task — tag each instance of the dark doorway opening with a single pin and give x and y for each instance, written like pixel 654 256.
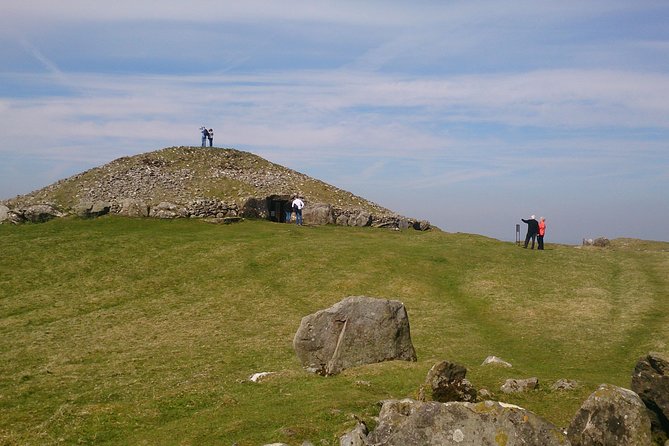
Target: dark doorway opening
pixel 278 207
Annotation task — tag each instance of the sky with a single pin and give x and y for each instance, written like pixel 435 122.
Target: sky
pixel 470 114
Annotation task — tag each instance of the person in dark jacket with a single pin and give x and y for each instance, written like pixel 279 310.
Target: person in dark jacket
pixel 532 230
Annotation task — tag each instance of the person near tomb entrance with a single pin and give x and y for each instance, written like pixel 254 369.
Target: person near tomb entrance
pixel 298 204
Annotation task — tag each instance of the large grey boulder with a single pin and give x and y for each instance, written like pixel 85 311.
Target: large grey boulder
pixel 611 416
pixel 360 218
pixel 318 214
pixel 651 381
pixel 408 422
pixel 89 209
pixel 40 213
pixel 446 382
pixel 131 207
pixel 358 330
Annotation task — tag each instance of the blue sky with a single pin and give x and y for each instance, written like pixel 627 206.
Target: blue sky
pixel 471 114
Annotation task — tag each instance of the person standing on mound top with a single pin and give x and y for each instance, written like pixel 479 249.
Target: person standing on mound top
pixel 210 135
pixel 205 135
pixel 532 230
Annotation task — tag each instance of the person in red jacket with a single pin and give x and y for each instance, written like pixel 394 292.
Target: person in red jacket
pixel 542 231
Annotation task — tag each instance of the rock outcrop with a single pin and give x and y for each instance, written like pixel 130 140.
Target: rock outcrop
pixel 650 381
pixel 409 422
pixel 611 416
pixel 358 330
pixel 514 385
pixel 446 382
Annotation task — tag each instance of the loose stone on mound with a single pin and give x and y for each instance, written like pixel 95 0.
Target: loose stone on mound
pixel 358 330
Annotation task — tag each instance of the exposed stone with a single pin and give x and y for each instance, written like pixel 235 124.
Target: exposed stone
pixel 318 214
pixel 446 382
pixel 4 213
pixel 39 213
pixel 358 330
pixel 601 242
pixel 519 385
pixel 255 208
pixel 409 422
pixel 651 381
pixel 100 208
pixel 494 360
pixel 422 225
pixel 342 220
pixel 564 384
pixel 89 209
pixel 360 219
pixel 131 207
pixel 357 437
pixel 611 416
pixel 168 210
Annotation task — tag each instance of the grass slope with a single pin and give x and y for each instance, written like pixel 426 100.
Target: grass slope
pixel 119 331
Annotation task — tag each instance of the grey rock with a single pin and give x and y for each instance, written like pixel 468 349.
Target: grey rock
pixel 4 213
pixel 422 225
pixel 360 219
pixel 446 382
pixel 357 437
pixel 168 210
pixel 409 422
pixel 318 214
pixel 358 330
pixel 650 381
pixel 131 207
pixel 342 220
pixel 564 384
pixel 494 360
pixel 611 416
pixel 601 242
pixel 100 208
pixel 39 213
pixel 519 385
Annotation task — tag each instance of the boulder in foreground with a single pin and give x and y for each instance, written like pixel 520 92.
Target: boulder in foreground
pixel 409 422
pixel 358 330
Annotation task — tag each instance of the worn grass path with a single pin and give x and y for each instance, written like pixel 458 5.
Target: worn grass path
pixel 118 331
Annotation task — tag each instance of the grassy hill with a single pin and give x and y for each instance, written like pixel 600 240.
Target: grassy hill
pixel 130 332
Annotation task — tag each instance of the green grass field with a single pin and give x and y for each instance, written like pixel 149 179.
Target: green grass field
pixel 144 332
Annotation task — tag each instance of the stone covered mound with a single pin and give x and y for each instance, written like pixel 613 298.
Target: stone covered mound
pixel 199 182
